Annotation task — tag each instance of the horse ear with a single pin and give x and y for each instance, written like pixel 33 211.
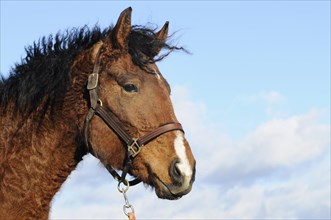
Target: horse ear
pixel 122 29
pixel 162 36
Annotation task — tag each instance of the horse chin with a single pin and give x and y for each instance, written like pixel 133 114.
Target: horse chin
pixel 164 191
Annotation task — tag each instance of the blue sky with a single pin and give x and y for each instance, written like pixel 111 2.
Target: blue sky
pixel 258 79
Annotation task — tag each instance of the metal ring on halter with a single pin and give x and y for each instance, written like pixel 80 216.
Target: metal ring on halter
pixel 100 102
pixel 126 183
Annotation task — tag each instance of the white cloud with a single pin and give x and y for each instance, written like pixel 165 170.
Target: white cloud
pixel 279 170
pixel 288 141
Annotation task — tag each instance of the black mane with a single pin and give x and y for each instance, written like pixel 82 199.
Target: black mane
pixel 43 76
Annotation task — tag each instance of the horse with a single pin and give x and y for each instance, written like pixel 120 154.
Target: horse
pixel 96 91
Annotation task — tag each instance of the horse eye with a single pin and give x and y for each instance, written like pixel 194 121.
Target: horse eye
pixel 130 88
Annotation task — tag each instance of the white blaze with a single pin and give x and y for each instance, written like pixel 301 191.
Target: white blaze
pixel 183 165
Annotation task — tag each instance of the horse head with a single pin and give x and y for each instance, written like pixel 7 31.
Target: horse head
pixel 127 85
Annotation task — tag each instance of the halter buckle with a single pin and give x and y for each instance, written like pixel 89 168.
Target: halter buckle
pixel 92 82
pixel 134 148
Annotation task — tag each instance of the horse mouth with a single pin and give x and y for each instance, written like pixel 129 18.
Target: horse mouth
pixel 165 191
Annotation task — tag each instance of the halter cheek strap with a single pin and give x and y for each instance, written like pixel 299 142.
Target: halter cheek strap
pixel 134 145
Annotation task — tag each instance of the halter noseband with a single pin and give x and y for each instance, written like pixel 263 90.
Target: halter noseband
pixel 134 145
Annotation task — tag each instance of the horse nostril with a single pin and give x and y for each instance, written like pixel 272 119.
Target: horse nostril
pixel 176 174
pixel 177 171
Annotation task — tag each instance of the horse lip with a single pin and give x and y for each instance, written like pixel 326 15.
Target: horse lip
pixel 167 193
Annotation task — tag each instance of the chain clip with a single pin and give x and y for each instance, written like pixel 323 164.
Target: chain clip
pixel 127 207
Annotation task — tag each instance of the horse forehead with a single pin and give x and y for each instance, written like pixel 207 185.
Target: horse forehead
pixel 123 62
pixel 122 67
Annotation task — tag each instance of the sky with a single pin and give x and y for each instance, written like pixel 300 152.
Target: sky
pixel 253 96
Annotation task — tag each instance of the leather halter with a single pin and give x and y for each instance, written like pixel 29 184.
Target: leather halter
pixel 134 145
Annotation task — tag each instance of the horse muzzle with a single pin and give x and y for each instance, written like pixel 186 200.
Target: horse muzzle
pixel 180 186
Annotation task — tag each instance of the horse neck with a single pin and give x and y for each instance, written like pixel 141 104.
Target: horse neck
pixel 35 160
